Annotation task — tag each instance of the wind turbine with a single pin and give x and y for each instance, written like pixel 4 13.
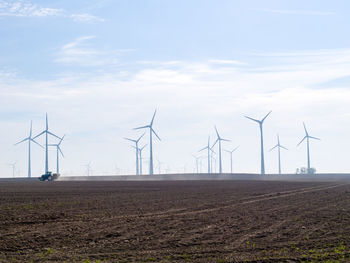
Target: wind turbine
pixel 307 137
pixel 13 165
pixel 140 152
pixel 47 132
pixel 231 152
pixel 262 140
pixel 151 132
pixel 29 139
pixel 88 168
pixel 58 150
pixel 137 151
pixel 208 149
pixel 279 146
pixel 212 160
pixel 196 158
pixel 219 139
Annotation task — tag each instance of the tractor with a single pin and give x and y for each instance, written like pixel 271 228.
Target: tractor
pixel 49 176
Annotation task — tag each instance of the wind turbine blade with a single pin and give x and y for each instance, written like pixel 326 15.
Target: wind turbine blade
pixel 214 143
pixel 59 148
pixel 301 141
pixel 130 139
pixel 252 119
pixel 206 147
pixel 39 134
pixel 305 129
pixel 266 116
pixel 31 128
pixel 315 138
pixel 273 147
pixel 284 147
pixel 61 140
pixel 140 137
pixel 37 143
pixel 217 133
pixel 227 151
pixel 225 140
pixel 53 135
pixel 154 114
pixel 142 127
pixel 143 147
pixel 155 134
pixel 235 149
pixel 22 141
pixel 47 122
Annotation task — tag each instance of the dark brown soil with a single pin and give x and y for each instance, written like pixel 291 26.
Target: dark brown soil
pixel 178 221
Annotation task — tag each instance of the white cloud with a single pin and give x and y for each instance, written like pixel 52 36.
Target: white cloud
pixel 227 62
pixel 98 111
pixel 86 18
pixel 26 9
pixel 22 8
pixel 297 12
pixel 80 52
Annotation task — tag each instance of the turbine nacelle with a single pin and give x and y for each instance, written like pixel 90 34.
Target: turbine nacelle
pixel 307 136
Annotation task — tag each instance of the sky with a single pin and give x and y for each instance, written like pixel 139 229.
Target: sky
pixel 101 68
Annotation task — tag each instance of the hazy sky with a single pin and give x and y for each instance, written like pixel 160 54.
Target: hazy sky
pixel 100 68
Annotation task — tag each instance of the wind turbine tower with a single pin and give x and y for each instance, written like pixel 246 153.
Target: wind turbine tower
pixel 29 139
pixel 151 132
pixel 47 132
pixel 260 122
pixel 137 151
pixel 13 165
pixel 196 158
pixel 58 151
pixel 140 152
pixel 208 149
pixel 278 146
pixel 88 168
pixel 219 139
pixel 307 137
pixel 231 152
pixel 212 160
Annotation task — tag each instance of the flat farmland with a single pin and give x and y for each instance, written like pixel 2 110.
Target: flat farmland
pixel 174 221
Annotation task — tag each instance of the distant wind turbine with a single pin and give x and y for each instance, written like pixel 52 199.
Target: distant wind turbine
pixel 212 160
pixel 88 168
pixel 219 139
pixel 261 139
pixel 231 152
pixel 307 137
pixel 208 150
pixel 58 151
pixel 47 132
pixel 13 165
pixel 137 151
pixel 279 146
pixel 29 139
pixel 196 158
pixel 151 132
pixel 140 152
pixel 159 166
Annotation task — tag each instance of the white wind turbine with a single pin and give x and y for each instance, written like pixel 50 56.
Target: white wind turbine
pixel 29 139
pixel 151 132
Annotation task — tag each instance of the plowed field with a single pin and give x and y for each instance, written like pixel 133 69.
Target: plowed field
pixel 178 221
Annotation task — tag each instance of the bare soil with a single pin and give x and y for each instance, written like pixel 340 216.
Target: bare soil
pixel 177 221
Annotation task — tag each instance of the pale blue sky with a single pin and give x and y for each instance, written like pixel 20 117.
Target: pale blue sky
pixel 99 68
